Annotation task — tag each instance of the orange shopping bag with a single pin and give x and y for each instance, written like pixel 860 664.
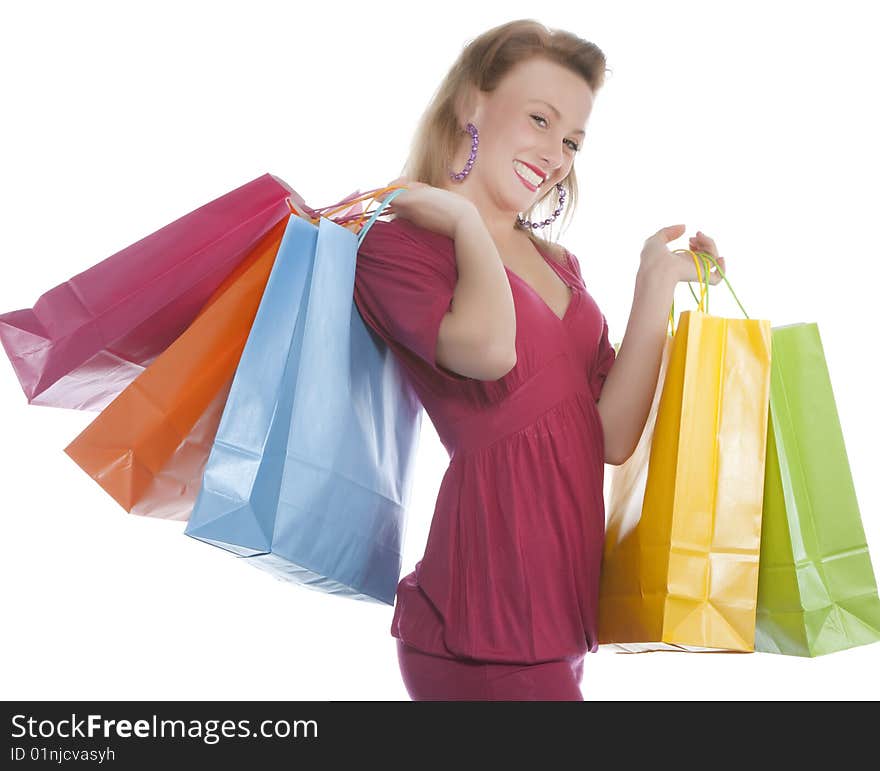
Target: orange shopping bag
pixel 149 446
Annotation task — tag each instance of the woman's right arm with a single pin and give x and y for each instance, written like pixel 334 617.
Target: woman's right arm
pixel 477 337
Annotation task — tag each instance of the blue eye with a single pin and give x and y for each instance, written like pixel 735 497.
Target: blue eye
pixel 573 145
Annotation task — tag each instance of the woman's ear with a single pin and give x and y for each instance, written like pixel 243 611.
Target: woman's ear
pixel 469 107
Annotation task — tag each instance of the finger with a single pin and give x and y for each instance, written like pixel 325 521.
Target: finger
pixel 397 182
pixel 703 241
pixel 696 246
pixel 707 242
pixel 671 232
pixel 717 270
pixel 700 247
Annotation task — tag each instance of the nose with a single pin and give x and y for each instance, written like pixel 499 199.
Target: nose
pixel 551 159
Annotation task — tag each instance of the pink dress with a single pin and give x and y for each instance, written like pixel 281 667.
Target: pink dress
pixel 510 572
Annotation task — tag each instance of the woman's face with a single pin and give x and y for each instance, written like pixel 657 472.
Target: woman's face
pixel 518 122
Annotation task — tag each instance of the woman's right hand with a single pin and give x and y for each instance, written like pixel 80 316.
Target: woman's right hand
pixel 432 208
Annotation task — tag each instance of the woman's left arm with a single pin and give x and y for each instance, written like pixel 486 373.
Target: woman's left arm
pixel 629 387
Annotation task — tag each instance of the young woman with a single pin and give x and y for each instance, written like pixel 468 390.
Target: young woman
pixel 510 356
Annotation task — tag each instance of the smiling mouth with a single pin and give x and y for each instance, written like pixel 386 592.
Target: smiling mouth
pixel 528 176
pixel 531 186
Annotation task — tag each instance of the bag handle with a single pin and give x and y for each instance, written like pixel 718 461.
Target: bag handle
pixel 301 209
pixel 382 204
pixel 314 216
pixel 704 285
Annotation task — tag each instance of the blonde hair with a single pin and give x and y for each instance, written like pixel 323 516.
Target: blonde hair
pixel 483 63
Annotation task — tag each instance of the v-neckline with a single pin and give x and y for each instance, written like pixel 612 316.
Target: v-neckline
pixel 572 289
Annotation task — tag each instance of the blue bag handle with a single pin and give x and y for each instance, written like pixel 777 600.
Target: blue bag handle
pixel 382 205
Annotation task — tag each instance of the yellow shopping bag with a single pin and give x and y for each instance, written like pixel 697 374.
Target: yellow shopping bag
pixel 682 545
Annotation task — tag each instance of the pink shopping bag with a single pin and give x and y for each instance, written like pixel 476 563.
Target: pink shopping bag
pixel 88 338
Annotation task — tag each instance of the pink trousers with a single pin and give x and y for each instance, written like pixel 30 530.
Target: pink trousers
pixel 434 678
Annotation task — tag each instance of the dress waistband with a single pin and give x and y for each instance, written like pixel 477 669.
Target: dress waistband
pixel 554 383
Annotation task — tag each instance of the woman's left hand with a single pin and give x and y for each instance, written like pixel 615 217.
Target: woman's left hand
pixel 680 266
pixel 702 243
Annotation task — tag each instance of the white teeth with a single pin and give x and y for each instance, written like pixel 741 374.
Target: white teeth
pixel 526 172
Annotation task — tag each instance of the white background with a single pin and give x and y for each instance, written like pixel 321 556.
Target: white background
pixel 753 122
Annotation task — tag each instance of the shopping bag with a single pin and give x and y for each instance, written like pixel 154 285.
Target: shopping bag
pixel 86 339
pixel 149 446
pixel 629 479
pixel 680 567
pixel 309 476
pixel 817 592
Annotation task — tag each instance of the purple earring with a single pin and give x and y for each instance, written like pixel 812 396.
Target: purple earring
pixel 556 212
pixel 475 141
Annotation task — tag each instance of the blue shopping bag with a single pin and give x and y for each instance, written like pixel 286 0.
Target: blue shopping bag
pixel 309 474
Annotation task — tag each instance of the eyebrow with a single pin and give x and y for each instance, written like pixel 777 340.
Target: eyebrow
pixel 558 114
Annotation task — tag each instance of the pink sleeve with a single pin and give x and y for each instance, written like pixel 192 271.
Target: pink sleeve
pixel 403 288
pixel 605 357
pixel 605 354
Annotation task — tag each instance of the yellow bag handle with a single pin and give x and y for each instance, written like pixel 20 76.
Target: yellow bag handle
pixel 704 286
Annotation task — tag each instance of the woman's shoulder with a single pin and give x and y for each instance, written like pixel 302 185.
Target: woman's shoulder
pixel 567 258
pixel 555 250
pixel 558 252
pixel 391 249
pixel 400 235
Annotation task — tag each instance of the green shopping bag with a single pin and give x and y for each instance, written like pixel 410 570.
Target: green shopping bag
pixel 816 587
